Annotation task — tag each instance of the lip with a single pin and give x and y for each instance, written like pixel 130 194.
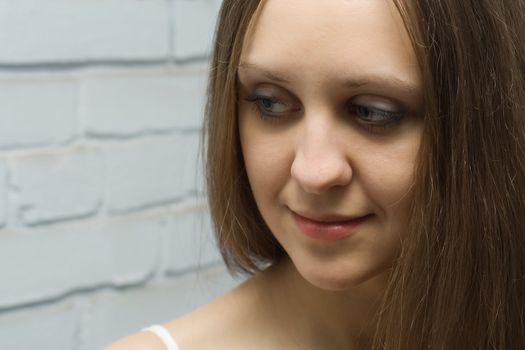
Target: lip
pixel 327 227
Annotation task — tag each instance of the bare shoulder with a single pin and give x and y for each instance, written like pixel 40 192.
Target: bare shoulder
pixel 185 330
pixel 216 325
pixel 219 324
pixel 138 341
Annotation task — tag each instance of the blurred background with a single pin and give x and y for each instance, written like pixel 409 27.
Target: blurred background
pixel 103 221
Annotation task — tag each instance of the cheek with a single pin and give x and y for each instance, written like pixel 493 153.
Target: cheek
pixel 389 177
pixel 267 160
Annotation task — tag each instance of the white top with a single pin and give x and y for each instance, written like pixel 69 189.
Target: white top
pixel 164 335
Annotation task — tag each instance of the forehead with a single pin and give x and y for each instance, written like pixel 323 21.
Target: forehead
pixel 330 37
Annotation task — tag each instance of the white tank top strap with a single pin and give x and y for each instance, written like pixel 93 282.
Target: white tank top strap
pixel 164 335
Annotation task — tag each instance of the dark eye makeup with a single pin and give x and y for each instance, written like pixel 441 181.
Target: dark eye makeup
pixel 374 117
pixel 271 108
pixel 371 116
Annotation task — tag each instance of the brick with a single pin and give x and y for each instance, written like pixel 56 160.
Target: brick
pixel 141 103
pixel 193 177
pixel 57 185
pixel 43 327
pixel 113 316
pixel 190 242
pixel 148 172
pixel 3 193
pixel 51 261
pixel 21 106
pixel 83 30
pixel 194 27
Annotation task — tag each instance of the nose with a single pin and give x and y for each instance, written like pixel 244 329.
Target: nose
pixel 320 161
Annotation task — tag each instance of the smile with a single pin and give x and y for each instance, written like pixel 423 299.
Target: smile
pixel 327 227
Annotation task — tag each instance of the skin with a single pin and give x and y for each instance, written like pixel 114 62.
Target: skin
pixel 315 154
pixel 319 154
pixel 307 65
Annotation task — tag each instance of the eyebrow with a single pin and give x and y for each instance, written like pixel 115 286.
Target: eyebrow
pixel 353 83
pixel 266 72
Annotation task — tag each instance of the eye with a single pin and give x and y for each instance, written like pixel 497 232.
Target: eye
pixel 270 107
pixel 381 115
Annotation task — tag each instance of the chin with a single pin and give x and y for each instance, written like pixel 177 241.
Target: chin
pixel 335 284
pixel 345 280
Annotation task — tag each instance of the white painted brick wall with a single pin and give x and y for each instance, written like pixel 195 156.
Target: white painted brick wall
pixel 146 173
pixel 48 262
pixel 192 179
pixel 190 243
pixel 80 30
pixel 3 193
pixel 57 185
pixel 41 327
pixel 151 102
pixel 103 223
pixel 112 315
pixel 21 104
pixel 194 25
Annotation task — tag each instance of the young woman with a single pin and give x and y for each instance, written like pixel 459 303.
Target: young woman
pixel 366 166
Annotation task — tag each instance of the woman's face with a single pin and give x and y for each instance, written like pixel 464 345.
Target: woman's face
pixel 330 124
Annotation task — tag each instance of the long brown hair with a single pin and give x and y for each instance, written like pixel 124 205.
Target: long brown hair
pixel 459 281
pixel 245 241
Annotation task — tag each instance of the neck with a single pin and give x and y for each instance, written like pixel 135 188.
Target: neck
pixel 335 319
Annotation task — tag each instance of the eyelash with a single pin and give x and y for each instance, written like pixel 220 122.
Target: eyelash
pixel 256 104
pixel 393 118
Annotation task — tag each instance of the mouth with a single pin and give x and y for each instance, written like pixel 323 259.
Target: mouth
pixel 328 227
